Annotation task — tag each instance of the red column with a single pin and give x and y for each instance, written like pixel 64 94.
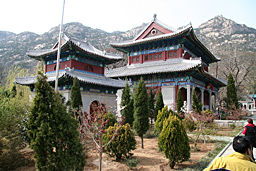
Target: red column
pixel 164 55
pixel 129 60
pixel 141 59
pixel 176 92
pixel 179 52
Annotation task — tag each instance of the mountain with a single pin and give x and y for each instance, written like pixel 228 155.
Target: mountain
pixel 222 36
pixel 13 47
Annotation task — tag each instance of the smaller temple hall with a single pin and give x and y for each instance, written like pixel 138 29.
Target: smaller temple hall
pixel 79 59
pixel 170 59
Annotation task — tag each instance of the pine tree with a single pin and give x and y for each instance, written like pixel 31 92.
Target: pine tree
pixel 141 111
pixel 179 102
pixel 151 105
pixel 173 141
pixel 53 132
pixel 159 103
pixel 196 105
pixel 76 98
pixel 231 100
pixel 128 102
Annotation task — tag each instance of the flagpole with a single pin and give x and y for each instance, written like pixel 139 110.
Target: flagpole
pixel 59 50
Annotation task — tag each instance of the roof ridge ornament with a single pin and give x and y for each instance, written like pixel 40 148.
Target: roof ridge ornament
pixel 154 17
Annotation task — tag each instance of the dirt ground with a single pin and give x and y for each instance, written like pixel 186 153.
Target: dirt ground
pixel 150 158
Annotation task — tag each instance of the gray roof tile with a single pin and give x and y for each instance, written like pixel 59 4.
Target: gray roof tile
pixel 171 65
pixel 85 77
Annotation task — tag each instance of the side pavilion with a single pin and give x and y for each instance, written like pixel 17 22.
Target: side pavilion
pixel 79 59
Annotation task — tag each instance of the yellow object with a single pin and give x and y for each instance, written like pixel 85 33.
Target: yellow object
pixel 235 162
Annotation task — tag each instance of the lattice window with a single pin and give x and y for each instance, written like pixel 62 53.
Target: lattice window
pixel 88 68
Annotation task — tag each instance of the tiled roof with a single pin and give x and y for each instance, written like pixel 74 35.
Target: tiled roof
pixel 85 77
pixel 83 45
pixel 159 37
pixel 171 65
pixel 155 20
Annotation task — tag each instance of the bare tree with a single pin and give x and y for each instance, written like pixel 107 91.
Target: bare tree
pixel 241 66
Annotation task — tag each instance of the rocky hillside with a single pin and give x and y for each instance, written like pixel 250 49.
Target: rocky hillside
pixel 221 35
pixel 13 47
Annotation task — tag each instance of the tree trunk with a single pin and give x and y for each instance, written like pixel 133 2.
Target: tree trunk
pixel 172 164
pixel 100 143
pixel 142 141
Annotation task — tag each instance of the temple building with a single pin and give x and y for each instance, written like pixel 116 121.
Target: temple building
pixel 170 59
pixel 79 59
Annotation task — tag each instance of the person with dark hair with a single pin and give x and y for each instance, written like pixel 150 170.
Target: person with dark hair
pixel 250 132
pixel 240 160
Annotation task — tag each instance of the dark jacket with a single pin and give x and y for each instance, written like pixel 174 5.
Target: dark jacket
pixel 250 132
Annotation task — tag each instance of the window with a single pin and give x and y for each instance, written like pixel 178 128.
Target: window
pixel 160 56
pixel 175 54
pixel 88 68
pixel 133 59
pixel 155 56
pixel 138 59
pixel 150 57
pixel 169 54
pixel 146 58
pixel 55 67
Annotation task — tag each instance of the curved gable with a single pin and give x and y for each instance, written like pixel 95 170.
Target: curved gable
pixel 153 29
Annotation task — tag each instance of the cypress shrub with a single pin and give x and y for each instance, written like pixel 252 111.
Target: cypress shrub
pixel 159 104
pixel 173 141
pixel 231 100
pixel 141 111
pixel 151 105
pixel 76 98
pixel 179 102
pixel 196 105
pixel 53 132
pixel 162 115
pixel 128 111
pixel 111 119
pixel 123 143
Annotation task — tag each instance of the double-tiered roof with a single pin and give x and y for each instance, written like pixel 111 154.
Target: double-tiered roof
pixel 74 47
pixel 157 37
pixel 168 36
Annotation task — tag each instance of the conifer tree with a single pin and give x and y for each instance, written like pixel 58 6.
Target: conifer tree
pixel 231 100
pixel 141 111
pixel 162 115
pixel 151 105
pixel 110 119
pixel 128 111
pixel 76 98
pixel 173 141
pixel 196 105
pixel 159 103
pixel 179 102
pixel 53 132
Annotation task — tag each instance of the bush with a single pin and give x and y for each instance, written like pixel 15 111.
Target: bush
pixel 123 143
pixel 162 115
pixel 173 141
pixel 189 123
pixel 10 160
pixel 132 162
pixel 111 119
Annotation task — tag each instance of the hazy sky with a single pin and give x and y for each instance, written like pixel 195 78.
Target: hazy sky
pixel 40 16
